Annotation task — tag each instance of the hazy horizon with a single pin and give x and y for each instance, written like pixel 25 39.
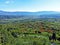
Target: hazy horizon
pixel 26 11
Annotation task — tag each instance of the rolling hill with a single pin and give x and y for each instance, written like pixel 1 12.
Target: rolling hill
pixel 32 15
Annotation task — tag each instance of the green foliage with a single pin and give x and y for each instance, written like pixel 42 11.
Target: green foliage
pixel 23 33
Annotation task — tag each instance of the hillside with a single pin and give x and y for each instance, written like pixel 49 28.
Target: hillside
pixel 29 28
pixel 32 15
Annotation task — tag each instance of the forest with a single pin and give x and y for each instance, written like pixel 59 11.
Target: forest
pixel 29 32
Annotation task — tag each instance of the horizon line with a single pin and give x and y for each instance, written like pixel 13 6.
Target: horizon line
pixel 27 11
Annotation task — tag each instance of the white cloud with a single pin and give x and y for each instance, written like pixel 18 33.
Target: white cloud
pixel 7 2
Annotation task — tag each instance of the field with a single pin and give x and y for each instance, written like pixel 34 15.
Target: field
pixel 29 32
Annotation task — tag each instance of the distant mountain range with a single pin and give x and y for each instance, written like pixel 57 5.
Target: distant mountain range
pixel 42 14
pixel 28 13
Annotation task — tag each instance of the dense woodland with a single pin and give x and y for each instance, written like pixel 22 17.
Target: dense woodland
pixel 28 32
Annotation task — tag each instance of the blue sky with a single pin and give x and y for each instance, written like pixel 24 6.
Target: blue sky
pixel 30 5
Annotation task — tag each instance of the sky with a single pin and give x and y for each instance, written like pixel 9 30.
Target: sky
pixel 30 5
